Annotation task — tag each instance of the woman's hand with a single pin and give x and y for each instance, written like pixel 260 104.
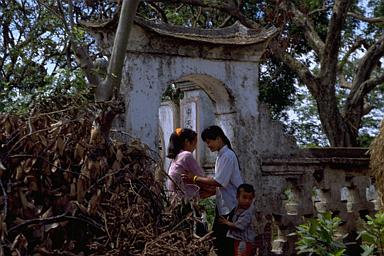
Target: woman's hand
pixel 187 177
pixel 204 193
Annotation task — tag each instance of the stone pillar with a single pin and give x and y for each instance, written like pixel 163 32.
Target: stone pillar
pixel 197 113
pixel 168 120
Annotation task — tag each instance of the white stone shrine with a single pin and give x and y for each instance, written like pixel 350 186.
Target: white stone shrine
pixel 219 71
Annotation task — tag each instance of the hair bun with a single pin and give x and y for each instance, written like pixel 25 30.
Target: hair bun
pixel 178 131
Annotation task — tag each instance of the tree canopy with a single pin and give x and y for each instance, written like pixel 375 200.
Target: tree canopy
pixel 332 48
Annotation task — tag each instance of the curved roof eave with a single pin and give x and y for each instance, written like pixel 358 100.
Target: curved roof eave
pixel 237 34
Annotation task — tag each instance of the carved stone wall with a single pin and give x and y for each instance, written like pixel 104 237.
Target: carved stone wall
pixel 298 188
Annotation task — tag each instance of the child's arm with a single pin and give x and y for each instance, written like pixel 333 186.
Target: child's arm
pixel 240 224
pixel 230 224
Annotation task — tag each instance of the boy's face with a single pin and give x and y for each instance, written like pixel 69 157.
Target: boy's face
pixel 245 199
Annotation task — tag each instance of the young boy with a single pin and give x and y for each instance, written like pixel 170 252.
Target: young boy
pixel 240 228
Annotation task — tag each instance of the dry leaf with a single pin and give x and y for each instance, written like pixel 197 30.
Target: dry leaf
pixel 72 191
pixel 2 167
pixel 24 202
pixel 79 152
pixel 119 155
pixel 93 203
pixel 20 243
pixel 60 145
pixel 56 165
pixel 80 189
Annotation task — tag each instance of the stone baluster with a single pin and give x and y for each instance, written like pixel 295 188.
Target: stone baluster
pixel 372 195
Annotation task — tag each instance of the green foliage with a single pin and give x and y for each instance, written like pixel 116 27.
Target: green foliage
pixel 35 58
pixel 373 235
pixel 209 205
pixel 318 236
pixel 289 194
pixel 63 82
pixel 255 9
pixel 365 140
pixel 172 93
pixel 378 11
pixel 185 15
pixel 319 18
pixel 304 123
pixel 371 121
pixel 174 16
pixel 276 87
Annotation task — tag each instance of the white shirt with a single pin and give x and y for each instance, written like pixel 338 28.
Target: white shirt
pixel 227 174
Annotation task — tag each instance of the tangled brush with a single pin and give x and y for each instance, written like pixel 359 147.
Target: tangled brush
pixel 67 190
pixel 376 150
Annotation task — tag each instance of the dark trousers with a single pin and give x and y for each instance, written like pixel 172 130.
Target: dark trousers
pixel 224 246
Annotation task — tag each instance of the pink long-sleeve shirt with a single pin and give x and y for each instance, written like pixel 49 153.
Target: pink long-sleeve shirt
pixel 183 163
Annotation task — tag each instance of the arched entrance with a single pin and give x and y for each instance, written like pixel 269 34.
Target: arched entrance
pixel 205 101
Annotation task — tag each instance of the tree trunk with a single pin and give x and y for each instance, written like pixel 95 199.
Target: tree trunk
pixel 338 130
pixel 111 84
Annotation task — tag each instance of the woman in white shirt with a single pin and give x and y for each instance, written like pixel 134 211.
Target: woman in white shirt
pixel 226 180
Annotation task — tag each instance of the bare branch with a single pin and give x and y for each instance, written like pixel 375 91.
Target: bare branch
pixel 323 9
pixel 354 47
pixel 343 82
pixel 86 64
pixel 225 22
pixel 301 70
pixel 340 67
pixel 197 17
pixel 372 83
pixel 369 61
pixel 159 11
pixel 5 199
pixel 374 20
pixel 329 58
pixel 364 83
pixel 55 219
pixel 309 29
pixel 364 88
pixel 227 6
pixel 367 108
pixel 81 53
pixel 61 15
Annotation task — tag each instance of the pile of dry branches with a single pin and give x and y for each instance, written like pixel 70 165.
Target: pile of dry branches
pixel 376 162
pixel 67 190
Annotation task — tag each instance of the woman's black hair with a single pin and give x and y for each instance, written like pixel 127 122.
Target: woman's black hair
pixel 177 139
pixel 214 131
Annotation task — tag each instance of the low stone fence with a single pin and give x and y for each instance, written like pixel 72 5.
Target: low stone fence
pixel 319 180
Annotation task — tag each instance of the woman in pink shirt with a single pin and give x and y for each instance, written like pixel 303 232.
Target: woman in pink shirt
pixel 181 145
